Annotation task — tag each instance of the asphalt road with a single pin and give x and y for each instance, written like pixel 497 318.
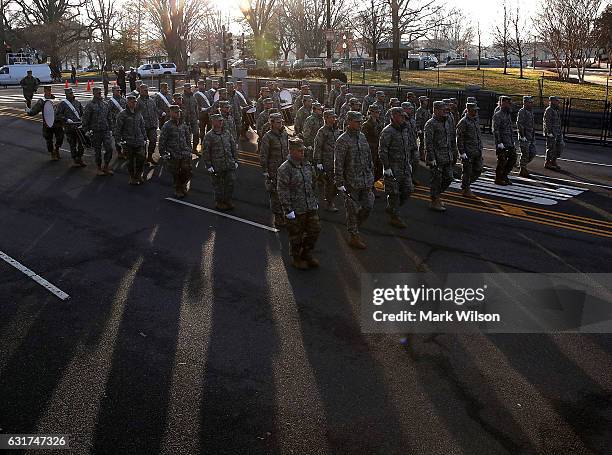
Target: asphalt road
pixel 188 332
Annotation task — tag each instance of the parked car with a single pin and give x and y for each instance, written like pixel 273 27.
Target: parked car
pixel 155 69
pixel 308 63
pixel 12 74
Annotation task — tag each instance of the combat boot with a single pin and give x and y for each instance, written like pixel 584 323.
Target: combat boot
pixel 279 221
pixel 436 205
pixel 309 259
pixel 100 171
pixel 229 205
pixel 221 206
pixel 56 151
pixel 524 172
pixel 467 192
pixel 501 182
pixel 356 242
pixel 397 222
pixel 76 163
pixel 179 193
pixel 134 181
pixel 555 165
pixel 299 263
pixel 550 165
pixel 107 170
pixel 331 207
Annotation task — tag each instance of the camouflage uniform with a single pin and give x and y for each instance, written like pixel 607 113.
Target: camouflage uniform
pixel 163 107
pixel 203 113
pixel 97 118
pixel 422 115
pixel 331 98
pixel 229 125
pixel 324 143
pixel 272 152
pixel 441 146
pixel 526 129
pixel 506 157
pixel 63 113
pixel 296 192
pixel 371 129
pixel 148 109
pixel 353 170
pixel 221 154
pixel 29 85
pixel 190 117
pixel 130 128
pixel 311 126
pixel 237 102
pixel 553 132
pixel 395 151
pixel 302 114
pixel 340 100
pixel 470 143
pixel 262 119
pixel 55 131
pixel 175 140
pixel 114 113
pixel 368 100
pixel 412 137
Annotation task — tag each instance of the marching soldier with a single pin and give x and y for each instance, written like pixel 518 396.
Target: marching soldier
pixel 469 99
pixel 344 109
pixel 408 109
pixel 203 108
pixel 54 131
pixel 504 138
pixel 440 152
pixel 131 133
pixel 237 103
pixel 263 117
pixel 380 102
pixel 393 102
pixel 70 112
pixel 162 101
pixel 553 131
pixel 136 91
pixel 311 126
pixel 395 151
pixel 302 114
pixel 324 143
pixel 29 85
pixel 333 93
pixel 210 93
pixel 353 176
pixel 299 100
pixel 97 121
pixel 368 100
pixel 116 105
pixel 273 151
pixel 264 94
pixel 175 143
pixel 266 126
pixel 147 108
pixel 469 147
pixel 526 134
pixel 189 116
pixel 372 128
pixel 411 98
pixel 121 80
pixel 454 111
pixel 353 105
pixel 221 158
pixel 341 98
pixel 297 195
pixel 229 123
pixel 422 115
pixel 275 89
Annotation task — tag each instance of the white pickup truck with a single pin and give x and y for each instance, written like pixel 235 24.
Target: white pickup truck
pixel 155 69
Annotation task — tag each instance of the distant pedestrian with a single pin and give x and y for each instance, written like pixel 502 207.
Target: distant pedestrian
pixel 215 67
pixel 105 82
pixel 73 74
pixel 553 132
pixel 132 76
pixel 29 84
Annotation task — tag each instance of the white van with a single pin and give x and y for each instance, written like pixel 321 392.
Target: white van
pixel 155 69
pixel 12 74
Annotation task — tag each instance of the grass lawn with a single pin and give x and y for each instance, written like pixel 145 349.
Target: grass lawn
pixel 494 80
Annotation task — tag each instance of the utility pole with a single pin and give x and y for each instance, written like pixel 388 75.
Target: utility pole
pixel 329 36
pixel 223 54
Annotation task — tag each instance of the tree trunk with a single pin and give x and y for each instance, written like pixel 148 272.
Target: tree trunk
pixel 374 57
pixel 505 59
pixel 520 56
pixel 395 76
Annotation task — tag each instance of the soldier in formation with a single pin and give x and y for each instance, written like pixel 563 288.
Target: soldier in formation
pixel 324 143
pixel 49 132
pixel 312 125
pixel 372 128
pixel 504 140
pixel 190 116
pixel 340 99
pixel 553 133
pixel 354 177
pixel 148 109
pixel 29 86
pixel 228 119
pixel 70 113
pixel 298 199
pixel 97 123
pixel 272 153
pixel 175 144
pixel 263 117
pixel 302 114
pixel 131 133
pixel 237 103
pixel 203 106
pixel 221 159
pixel 163 100
pixel 333 93
pixel 422 115
pixel 299 100
pixel 368 100
pixel 526 134
pixel 469 147
pixel 116 105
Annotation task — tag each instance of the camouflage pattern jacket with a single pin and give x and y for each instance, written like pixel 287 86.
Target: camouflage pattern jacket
pixel 502 128
pixel 273 150
pixel 190 111
pixel 302 114
pixel 130 128
pixel 395 149
pixel 311 126
pixel 525 124
pixel 220 151
pixel 262 119
pixel 331 98
pixel 422 115
pixel 324 144
pixel 97 116
pixel 237 102
pixel 368 100
pixel 295 184
pixel 175 139
pixel 440 143
pixel 353 161
pixel 114 110
pixel 29 84
pixel 552 122
pixel 468 137
pixel 63 113
pixel 371 129
pixel 148 109
pixel 161 104
pixel 229 125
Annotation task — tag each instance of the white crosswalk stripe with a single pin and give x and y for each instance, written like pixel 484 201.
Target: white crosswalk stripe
pixel 540 192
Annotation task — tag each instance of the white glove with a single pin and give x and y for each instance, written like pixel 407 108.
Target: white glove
pixel 70 121
pixel 320 166
pixel 388 172
pixel 236 165
pixel 89 133
pixel 342 188
pixel 500 146
pixel 291 215
pixel 550 135
pixel 266 175
pixel 122 143
pixel 211 170
pixel 433 163
pixel 463 156
pixel 28 110
pixel 163 114
pixel 523 139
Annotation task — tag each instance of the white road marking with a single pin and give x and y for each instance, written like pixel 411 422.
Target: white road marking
pixel 225 215
pixel 578 161
pixel 34 276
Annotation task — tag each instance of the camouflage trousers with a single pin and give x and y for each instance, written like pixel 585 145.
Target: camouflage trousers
pixel 49 134
pixel 195 135
pixel 135 159
pixel 223 185
pixel 422 146
pixel 441 178
pixel 326 188
pixel 152 137
pixel 528 152
pixel 101 139
pixel 397 190
pixel 358 207
pixel 506 159
pixel 303 233
pixel 554 147
pixel 275 205
pixel 181 172
pixel 76 146
pixel 472 168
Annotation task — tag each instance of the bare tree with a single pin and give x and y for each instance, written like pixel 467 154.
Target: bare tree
pixel 286 35
pixel 371 25
pixel 479 46
pixel 258 16
pixel 5 27
pixel 501 37
pixel 458 34
pixel 518 41
pixel 104 20
pixel 603 33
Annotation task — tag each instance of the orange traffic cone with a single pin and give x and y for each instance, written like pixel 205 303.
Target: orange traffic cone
pixel 66 85
pixel 76 82
pixel 88 86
